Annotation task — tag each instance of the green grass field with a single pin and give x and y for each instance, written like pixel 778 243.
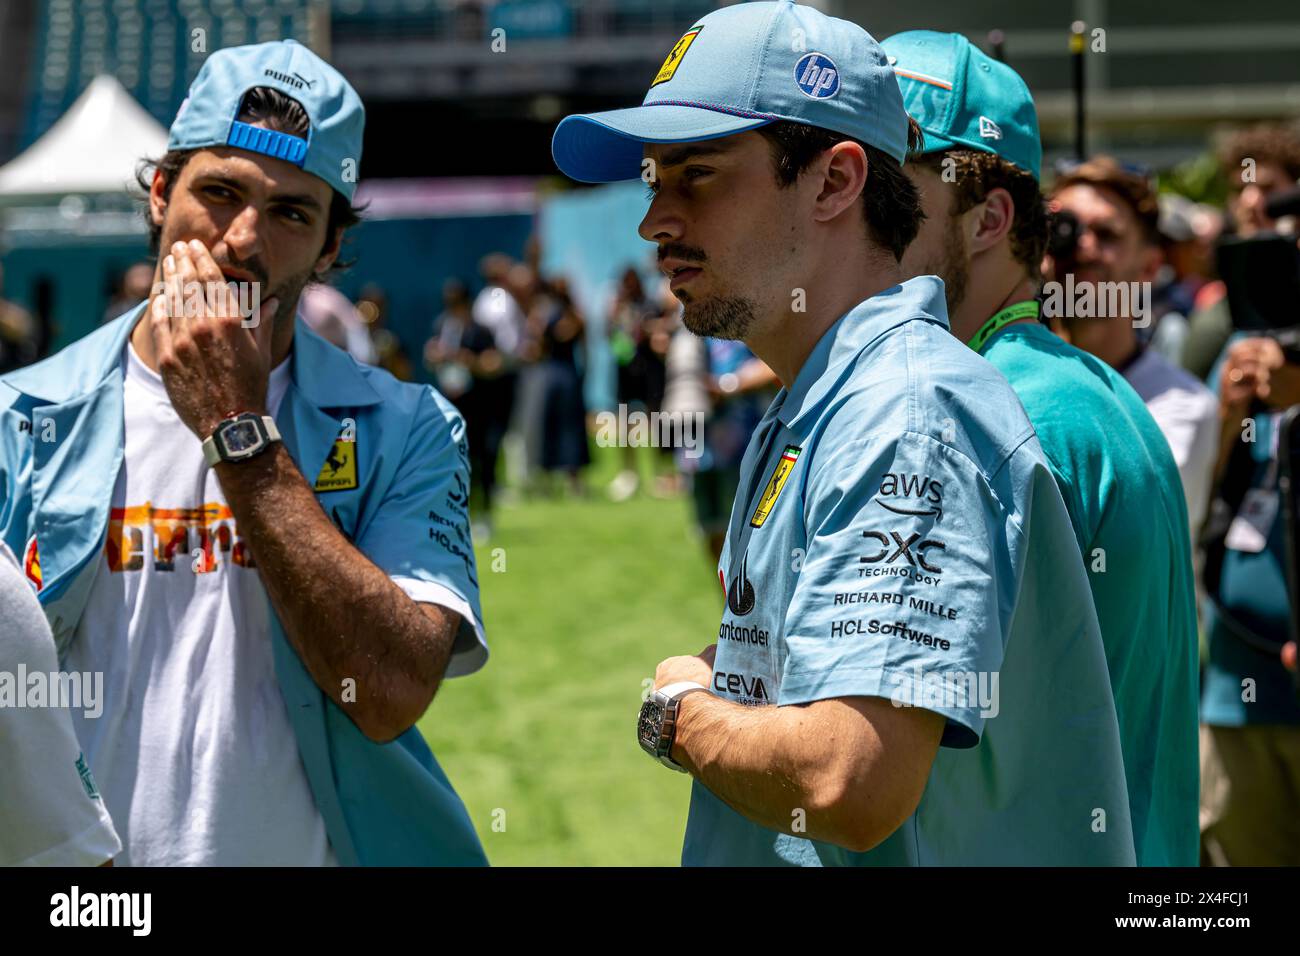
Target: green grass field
pixel 592 596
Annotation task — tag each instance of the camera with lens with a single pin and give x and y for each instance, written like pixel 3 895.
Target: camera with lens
pixel 1063 231
pixel 1262 277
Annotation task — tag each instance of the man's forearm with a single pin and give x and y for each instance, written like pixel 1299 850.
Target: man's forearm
pixel 346 618
pixel 770 764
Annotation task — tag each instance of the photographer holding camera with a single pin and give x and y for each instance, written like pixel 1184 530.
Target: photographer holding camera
pixel 1259 163
pixel 1250 713
pixel 1250 716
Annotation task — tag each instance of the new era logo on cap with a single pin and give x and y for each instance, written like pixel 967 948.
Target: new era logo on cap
pixel 817 76
pixel 989 129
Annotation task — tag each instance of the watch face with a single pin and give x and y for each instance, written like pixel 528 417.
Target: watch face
pixel 241 438
pixel 648 727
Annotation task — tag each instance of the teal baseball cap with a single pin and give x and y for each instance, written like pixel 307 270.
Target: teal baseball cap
pixel 332 149
pixel 739 68
pixel 965 99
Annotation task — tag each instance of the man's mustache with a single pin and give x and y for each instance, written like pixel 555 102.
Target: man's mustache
pixel 679 250
pixel 253 269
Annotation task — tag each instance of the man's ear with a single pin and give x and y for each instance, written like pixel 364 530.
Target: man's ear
pixel 330 252
pixel 997 214
pixel 157 201
pixel 843 180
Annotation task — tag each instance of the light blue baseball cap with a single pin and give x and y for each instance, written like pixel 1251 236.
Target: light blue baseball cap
pixel 965 99
pixel 332 149
pixel 739 68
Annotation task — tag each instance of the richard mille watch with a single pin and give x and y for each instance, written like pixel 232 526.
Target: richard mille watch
pixel 657 726
pixel 240 438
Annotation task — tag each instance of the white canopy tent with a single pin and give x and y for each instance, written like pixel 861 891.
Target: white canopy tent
pixel 92 149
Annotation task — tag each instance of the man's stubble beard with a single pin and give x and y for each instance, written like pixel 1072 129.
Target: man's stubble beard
pixel 954 267
pixel 718 317
pixel 289 292
pixel 730 317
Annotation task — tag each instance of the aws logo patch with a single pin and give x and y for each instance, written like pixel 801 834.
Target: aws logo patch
pixel 911 495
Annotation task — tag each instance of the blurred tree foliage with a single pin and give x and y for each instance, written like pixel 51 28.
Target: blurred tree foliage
pixel 1199 179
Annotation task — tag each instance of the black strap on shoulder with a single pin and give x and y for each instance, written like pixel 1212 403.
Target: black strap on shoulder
pixel 1237 479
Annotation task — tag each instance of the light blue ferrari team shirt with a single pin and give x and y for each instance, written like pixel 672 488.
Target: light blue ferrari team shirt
pixel 405 508
pixel 898 534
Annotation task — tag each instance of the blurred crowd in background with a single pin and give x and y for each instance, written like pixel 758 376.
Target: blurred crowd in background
pixel 510 345
pixel 511 349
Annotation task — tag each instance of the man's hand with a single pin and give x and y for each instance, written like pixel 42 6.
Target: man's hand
pixel 212 365
pixel 1257 368
pixel 698 668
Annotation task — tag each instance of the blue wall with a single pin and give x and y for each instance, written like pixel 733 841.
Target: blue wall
pixel 411 258
pixel 589 235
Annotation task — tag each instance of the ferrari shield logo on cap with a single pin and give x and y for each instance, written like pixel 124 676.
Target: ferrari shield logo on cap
pixel 339 473
pixel 774 486
pixel 675 57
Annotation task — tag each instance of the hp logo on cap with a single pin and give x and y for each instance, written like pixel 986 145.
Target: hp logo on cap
pixel 817 76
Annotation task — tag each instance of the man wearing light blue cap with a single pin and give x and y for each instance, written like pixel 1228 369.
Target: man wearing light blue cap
pixel 985 234
pixel 908 669
pixel 261 544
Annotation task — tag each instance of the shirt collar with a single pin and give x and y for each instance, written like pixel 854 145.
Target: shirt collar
pixel 81 367
pixel 327 376
pixel 832 358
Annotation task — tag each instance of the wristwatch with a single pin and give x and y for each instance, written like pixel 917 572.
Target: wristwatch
pixel 657 727
pixel 240 438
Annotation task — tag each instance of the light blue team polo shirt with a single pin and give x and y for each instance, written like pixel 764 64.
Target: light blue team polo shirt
pixel 898 533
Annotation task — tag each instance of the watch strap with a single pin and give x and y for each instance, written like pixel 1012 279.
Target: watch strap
pixel 677 689
pixel 668 731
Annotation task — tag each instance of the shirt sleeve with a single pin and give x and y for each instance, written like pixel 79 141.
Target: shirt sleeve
pixel 420 534
pixel 903 582
pixel 52 813
pixel 1189 421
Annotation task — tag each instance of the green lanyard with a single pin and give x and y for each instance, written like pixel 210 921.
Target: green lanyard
pixel 1012 313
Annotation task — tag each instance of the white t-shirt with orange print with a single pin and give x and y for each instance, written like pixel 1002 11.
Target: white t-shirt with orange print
pixel 194 753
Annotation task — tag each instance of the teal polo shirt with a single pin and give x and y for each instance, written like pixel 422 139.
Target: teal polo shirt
pixel 1243 684
pixel 898 534
pixel 1125 498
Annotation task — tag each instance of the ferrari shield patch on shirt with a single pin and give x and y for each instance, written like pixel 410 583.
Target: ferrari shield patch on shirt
pixel 32 563
pixel 675 57
pixel 339 473
pixel 774 486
